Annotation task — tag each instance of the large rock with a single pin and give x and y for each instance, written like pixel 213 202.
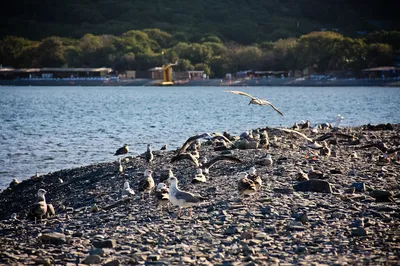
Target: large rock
pixel 53 238
pixel 108 243
pixel 382 195
pixel 92 259
pixel 314 185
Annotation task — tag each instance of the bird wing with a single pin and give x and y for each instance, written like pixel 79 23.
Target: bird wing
pixel 378 145
pixel 324 137
pixel 246 184
pixel 188 197
pixel 242 93
pixel 146 183
pixel 221 136
pixel 221 158
pixel 190 140
pixel 265 102
pixel 185 156
pixel 296 132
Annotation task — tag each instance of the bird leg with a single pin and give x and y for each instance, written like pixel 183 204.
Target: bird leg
pixel 179 212
pixel 191 212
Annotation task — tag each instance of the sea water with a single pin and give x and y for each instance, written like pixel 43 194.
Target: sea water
pixel 45 129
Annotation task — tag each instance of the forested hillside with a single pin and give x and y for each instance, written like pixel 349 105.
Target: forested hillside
pixel 243 21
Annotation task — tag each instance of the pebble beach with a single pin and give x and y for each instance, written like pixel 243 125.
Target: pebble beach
pixel 347 215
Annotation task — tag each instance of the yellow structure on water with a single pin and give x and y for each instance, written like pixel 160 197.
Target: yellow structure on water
pixel 167 74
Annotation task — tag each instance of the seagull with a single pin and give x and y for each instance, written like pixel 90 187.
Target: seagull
pixel 185 156
pixel 192 139
pixel 127 191
pixel 14 183
pixel 50 210
pixel 147 183
pixel 164 147
pixel 305 124
pixel 162 195
pixel 388 153
pixel 267 160
pixel 314 174
pixel 181 198
pixel 40 207
pixel 149 154
pixel 121 168
pixel 256 178
pixel 123 150
pixel 255 100
pixel 205 166
pixel 301 176
pixel 313 144
pixel 199 177
pixel 245 185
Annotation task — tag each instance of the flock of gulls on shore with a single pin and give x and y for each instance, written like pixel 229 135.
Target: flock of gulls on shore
pixel 249 183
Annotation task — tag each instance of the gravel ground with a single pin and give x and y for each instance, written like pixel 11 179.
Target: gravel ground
pixel 348 216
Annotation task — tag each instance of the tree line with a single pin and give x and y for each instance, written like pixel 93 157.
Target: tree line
pixel 140 50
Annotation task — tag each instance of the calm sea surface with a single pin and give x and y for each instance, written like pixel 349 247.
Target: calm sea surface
pixel 45 129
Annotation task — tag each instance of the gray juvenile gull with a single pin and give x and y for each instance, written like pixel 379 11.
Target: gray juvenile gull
pixel 257 101
pixel 127 191
pixel 39 208
pixel 147 184
pixel 255 177
pixel 149 154
pixel 162 195
pixel 123 150
pixel 245 185
pixel 181 198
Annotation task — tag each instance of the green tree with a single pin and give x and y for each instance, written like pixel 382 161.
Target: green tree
pixel 51 53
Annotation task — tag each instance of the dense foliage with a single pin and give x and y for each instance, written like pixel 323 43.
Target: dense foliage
pixel 244 22
pixel 141 50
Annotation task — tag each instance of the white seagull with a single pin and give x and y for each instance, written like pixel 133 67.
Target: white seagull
pixel 257 101
pixel 181 198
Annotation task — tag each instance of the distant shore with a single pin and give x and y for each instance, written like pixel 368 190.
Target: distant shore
pixel 211 82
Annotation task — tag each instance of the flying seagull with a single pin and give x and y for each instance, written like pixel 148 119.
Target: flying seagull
pixel 255 100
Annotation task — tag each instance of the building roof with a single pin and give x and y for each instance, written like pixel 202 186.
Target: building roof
pixel 384 68
pixel 156 69
pixel 55 69
pixel 195 71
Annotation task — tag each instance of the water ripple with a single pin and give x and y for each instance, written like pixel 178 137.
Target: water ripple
pixel 45 129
